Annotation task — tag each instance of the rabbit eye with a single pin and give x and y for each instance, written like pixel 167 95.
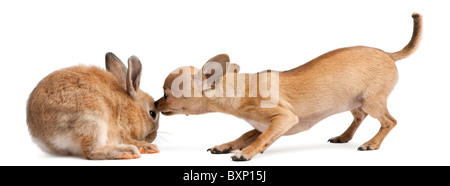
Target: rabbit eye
pixel 165 95
pixel 153 114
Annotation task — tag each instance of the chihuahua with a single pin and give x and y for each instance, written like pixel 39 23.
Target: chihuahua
pixel 357 79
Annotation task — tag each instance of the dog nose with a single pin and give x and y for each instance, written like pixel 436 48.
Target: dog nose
pixel 156 103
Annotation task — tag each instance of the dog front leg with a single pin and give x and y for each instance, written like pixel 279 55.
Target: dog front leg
pixel 279 125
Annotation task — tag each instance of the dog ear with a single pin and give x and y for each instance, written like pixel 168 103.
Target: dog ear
pixel 216 66
pixel 214 69
pixel 233 68
pixel 224 61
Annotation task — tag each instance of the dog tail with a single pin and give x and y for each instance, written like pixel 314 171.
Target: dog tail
pixel 412 46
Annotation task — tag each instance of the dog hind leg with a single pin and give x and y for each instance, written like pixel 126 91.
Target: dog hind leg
pixel 377 108
pixel 359 115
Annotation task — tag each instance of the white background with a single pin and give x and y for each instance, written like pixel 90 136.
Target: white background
pixel 38 37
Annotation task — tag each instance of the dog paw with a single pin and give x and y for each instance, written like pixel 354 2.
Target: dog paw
pixel 338 139
pixel 221 149
pixel 239 156
pixel 369 146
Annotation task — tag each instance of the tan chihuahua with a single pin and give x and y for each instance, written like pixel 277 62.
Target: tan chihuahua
pixel 357 79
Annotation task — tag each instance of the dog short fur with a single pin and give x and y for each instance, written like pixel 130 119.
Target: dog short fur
pixel 357 79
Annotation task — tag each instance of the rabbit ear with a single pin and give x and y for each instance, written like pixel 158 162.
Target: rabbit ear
pixel 117 68
pixel 133 76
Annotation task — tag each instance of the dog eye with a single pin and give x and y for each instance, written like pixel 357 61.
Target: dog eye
pixel 153 114
pixel 165 95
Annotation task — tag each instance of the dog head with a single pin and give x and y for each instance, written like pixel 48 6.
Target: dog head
pixel 188 90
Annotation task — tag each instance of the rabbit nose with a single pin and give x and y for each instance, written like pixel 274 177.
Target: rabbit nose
pixel 156 104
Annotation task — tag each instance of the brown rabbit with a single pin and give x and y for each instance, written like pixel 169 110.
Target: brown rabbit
pixel 98 114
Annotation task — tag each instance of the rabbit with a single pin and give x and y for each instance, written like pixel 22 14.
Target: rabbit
pixel 95 113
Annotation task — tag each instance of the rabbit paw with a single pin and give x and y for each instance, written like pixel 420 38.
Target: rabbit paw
pixel 112 152
pixel 148 148
pixel 126 152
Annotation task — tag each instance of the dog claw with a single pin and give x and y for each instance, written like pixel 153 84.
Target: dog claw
pixel 242 158
pixel 229 149
pixel 216 151
pixel 239 156
pixel 338 140
pixel 366 148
